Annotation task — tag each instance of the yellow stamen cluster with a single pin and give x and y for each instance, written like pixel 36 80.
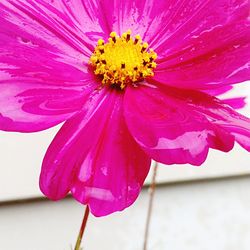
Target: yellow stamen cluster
pixel 123 60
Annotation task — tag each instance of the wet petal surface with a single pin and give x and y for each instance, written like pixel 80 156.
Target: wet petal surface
pixel 179 126
pixel 95 157
pixel 43 73
pixel 190 58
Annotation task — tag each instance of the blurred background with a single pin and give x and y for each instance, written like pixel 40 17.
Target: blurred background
pixel 198 208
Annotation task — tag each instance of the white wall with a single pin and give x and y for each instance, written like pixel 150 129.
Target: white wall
pixel 196 216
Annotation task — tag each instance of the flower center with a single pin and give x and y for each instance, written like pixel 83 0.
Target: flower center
pixel 123 60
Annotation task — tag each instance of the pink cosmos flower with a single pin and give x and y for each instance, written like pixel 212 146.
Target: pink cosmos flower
pixel 123 103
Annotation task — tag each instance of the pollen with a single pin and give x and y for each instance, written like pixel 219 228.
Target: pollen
pixel 123 60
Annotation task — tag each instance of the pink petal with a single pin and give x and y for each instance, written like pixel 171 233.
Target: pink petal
pixel 95 157
pixel 179 126
pixel 43 77
pixel 30 107
pixel 218 91
pixel 142 17
pixel 236 103
pixel 189 57
pixel 86 19
pixel 37 26
pixel 69 25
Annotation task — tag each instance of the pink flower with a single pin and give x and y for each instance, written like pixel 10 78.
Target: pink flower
pixel 122 108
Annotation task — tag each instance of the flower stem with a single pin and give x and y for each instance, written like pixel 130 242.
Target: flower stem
pixel 150 206
pixel 82 229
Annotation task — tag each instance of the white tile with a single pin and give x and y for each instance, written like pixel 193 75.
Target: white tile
pixel 194 216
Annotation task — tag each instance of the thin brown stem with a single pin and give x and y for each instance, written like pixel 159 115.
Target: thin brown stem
pixel 82 229
pixel 150 206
